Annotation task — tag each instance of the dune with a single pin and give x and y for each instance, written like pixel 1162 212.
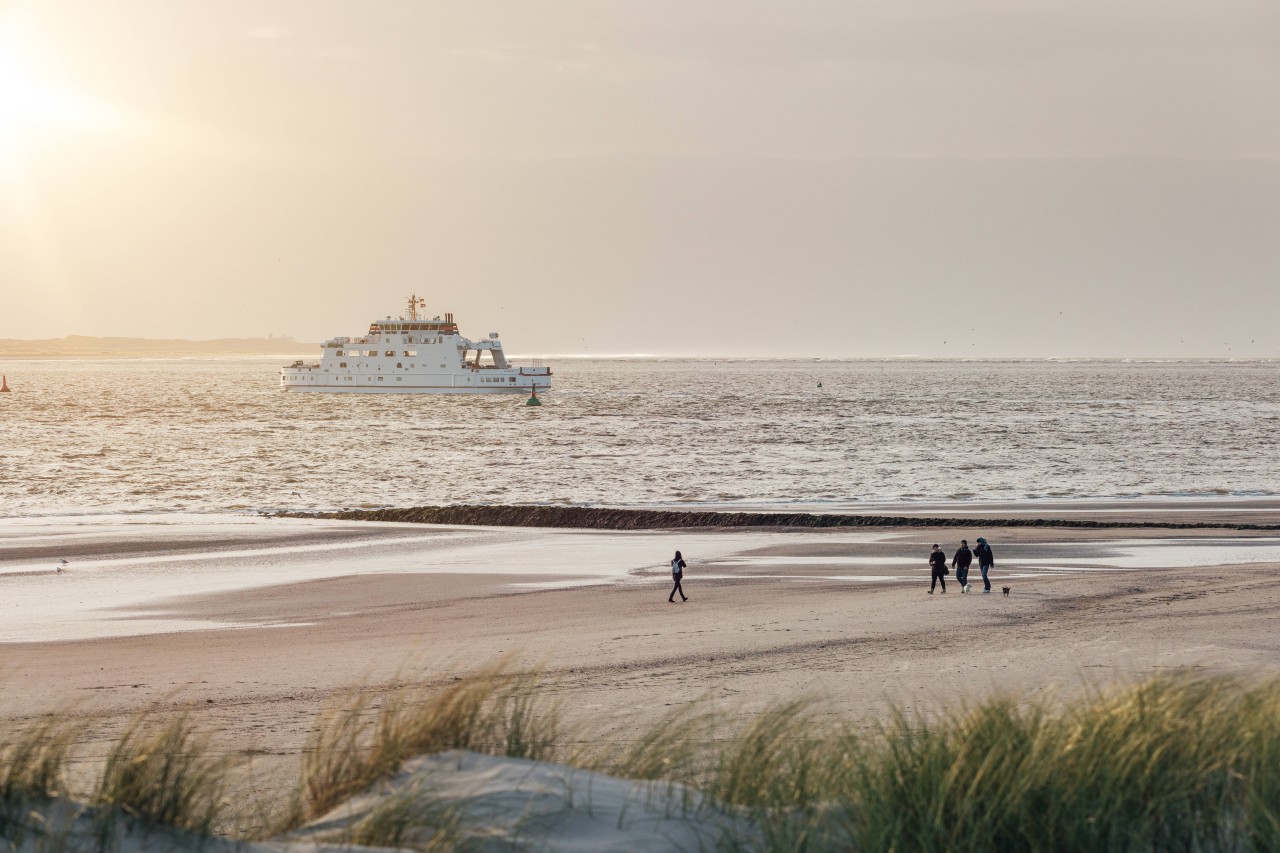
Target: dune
pixel 480 802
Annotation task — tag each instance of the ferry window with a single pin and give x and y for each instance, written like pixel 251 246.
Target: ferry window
pixel 342 364
pixel 513 379
pixel 390 353
pixel 410 353
pixel 379 378
pixel 398 364
pixel 398 379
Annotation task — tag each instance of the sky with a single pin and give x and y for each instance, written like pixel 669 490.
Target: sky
pixel 855 178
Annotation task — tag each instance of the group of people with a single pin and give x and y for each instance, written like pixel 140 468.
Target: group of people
pixel 961 562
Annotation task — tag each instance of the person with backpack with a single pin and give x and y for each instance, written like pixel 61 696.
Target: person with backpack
pixel 985 561
pixel 938 569
pixel 677 572
pixel 961 562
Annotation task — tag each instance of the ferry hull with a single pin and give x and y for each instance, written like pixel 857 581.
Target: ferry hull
pixel 335 389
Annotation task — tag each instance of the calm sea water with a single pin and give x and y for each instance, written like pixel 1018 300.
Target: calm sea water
pixel 217 434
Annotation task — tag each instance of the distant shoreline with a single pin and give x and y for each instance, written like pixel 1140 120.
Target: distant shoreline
pixel 84 346
pixel 87 346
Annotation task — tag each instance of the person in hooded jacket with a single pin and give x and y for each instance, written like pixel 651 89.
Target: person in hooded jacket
pixel 985 562
pixel 961 562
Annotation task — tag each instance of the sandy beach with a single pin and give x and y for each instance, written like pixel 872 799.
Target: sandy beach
pixel 258 623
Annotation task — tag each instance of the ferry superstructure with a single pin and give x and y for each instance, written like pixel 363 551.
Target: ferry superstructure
pixel 414 355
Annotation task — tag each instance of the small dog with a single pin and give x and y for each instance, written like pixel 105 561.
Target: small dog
pixel 1006 591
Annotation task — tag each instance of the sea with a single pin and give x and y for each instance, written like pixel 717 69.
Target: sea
pixel 217 435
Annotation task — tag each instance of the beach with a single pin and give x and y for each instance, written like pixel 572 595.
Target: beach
pixel 256 624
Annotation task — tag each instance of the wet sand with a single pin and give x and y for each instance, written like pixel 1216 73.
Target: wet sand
pixel 838 614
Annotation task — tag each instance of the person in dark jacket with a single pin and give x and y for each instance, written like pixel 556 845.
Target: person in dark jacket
pixel 985 562
pixel 938 569
pixel 677 572
pixel 961 562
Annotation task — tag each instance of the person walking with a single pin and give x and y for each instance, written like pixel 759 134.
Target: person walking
pixel 961 562
pixel 677 572
pixel 985 561
pixel 938 569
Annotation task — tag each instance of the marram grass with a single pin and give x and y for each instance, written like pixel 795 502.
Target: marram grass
pixel 162 773
pixel 353 745
pixel 1171 763
pixel 33 760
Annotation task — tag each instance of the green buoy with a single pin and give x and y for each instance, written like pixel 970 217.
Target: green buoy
pixel 533 400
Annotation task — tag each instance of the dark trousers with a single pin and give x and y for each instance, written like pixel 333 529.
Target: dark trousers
pixel 962 575
pixel 938 578
pixel 986 582
pixel 677 588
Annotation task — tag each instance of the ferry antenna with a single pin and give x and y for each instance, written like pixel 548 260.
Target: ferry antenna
pixel 415 302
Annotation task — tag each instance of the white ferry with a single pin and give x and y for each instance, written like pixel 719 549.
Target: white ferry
pixel 414 355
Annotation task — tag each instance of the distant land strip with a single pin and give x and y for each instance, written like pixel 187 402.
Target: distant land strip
pixel 84 346
pixel 600 518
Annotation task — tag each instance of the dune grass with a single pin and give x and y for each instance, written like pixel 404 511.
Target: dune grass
pixel 1174 762
pixel 162 773
pixel 33 761
pixel 353 744
pixel 1171 763
pixel 413 817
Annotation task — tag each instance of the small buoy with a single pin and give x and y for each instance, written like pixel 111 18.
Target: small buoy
pixel 819 384
pixel 4 385
pixel 533 400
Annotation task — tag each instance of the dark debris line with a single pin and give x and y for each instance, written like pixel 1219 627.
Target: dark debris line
pixel 596 518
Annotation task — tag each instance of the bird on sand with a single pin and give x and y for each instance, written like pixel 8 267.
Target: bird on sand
pixel 62 563
pixel 295 494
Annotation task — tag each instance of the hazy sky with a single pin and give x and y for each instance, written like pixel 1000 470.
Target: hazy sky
pixel 846 178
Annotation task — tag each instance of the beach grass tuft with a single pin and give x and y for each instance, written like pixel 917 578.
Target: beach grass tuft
pixel 33 761
pixel 1174 762
pixel 340 758
pixel 677 748
pixel 162 773
pixel 413 817
pixel 492 711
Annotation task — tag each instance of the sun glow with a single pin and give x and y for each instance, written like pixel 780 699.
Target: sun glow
pixel 30 108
